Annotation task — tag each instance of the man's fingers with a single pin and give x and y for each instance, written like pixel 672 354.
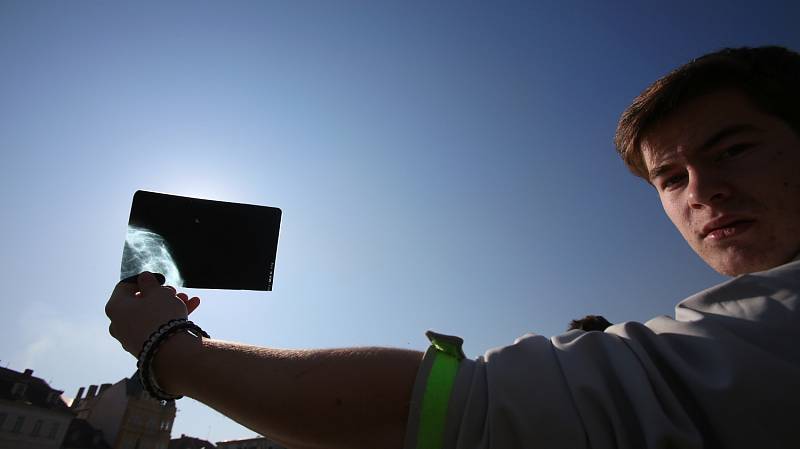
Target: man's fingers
pixel 192 304
pixel 171 288
pixel 133 279
pixel 125 288
pixel 147 281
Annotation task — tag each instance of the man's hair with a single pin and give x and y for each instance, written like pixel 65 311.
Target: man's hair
pixel 768 76
pixel 589 323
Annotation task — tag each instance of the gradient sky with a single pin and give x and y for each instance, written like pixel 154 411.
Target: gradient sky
pixel 440 165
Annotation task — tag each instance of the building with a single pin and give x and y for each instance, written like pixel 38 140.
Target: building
pixel 126 415
pixel 81 435
pixel 32 414
pixel 185 442
pixel 251 443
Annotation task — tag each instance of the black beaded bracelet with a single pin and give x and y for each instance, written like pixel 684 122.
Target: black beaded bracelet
pixel 159 393
pixel 146 369
pixel 148 344
pixel 151 347
pixel 146 373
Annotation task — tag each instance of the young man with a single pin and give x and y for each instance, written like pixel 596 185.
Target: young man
pixel 719 139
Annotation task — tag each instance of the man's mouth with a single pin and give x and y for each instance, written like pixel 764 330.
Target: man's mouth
pixel 720 230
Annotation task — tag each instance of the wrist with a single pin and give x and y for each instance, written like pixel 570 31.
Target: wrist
pixel 173 359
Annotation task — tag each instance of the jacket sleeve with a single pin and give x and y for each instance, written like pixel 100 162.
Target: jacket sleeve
pixel 724 373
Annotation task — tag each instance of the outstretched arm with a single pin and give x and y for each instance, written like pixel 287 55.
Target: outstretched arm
pixel 345 398
pixel 335 398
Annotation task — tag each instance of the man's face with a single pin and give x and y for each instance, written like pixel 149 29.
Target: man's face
pixel 728 177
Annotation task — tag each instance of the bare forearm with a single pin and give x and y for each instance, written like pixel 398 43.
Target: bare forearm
pixel 311 399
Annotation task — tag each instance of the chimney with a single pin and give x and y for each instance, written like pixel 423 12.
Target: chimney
pixel 91 392
pixel 27 373
pixel 77 398
pixel 103 388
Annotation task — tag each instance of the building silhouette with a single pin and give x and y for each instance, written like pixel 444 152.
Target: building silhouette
pixel 126 415
pixel 32 414
pixel 187 442
pixel 250 443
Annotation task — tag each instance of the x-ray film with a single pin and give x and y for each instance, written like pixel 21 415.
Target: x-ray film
pixel 199 243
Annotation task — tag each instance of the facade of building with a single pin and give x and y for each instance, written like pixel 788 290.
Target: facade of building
pixel 32 414
pixel 126 415
pixel 250 443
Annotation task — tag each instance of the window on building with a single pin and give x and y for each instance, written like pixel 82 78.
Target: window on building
pixel 18 424
pixel 18 390
pixel 53 431
pixel 37 427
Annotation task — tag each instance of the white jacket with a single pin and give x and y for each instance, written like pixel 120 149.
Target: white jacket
pixel 724 373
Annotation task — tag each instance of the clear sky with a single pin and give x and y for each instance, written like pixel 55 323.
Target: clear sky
pixel 440 165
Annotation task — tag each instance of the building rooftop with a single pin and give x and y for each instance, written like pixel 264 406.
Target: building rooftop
pixel 24 387
pixel 132 387
pixel 185 442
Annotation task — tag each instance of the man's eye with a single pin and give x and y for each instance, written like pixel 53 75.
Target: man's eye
pixel 734 151
pixel 671 182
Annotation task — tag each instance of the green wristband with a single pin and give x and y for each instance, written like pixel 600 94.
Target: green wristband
pixel 438 388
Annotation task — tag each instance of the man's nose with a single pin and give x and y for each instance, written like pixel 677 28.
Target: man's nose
pixel 707 188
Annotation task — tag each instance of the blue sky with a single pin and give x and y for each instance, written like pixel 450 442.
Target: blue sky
pixel 440 165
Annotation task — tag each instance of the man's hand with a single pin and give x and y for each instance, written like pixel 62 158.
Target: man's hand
pixel 137 310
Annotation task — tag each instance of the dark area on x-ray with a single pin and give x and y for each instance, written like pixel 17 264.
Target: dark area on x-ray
pixel 199 243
